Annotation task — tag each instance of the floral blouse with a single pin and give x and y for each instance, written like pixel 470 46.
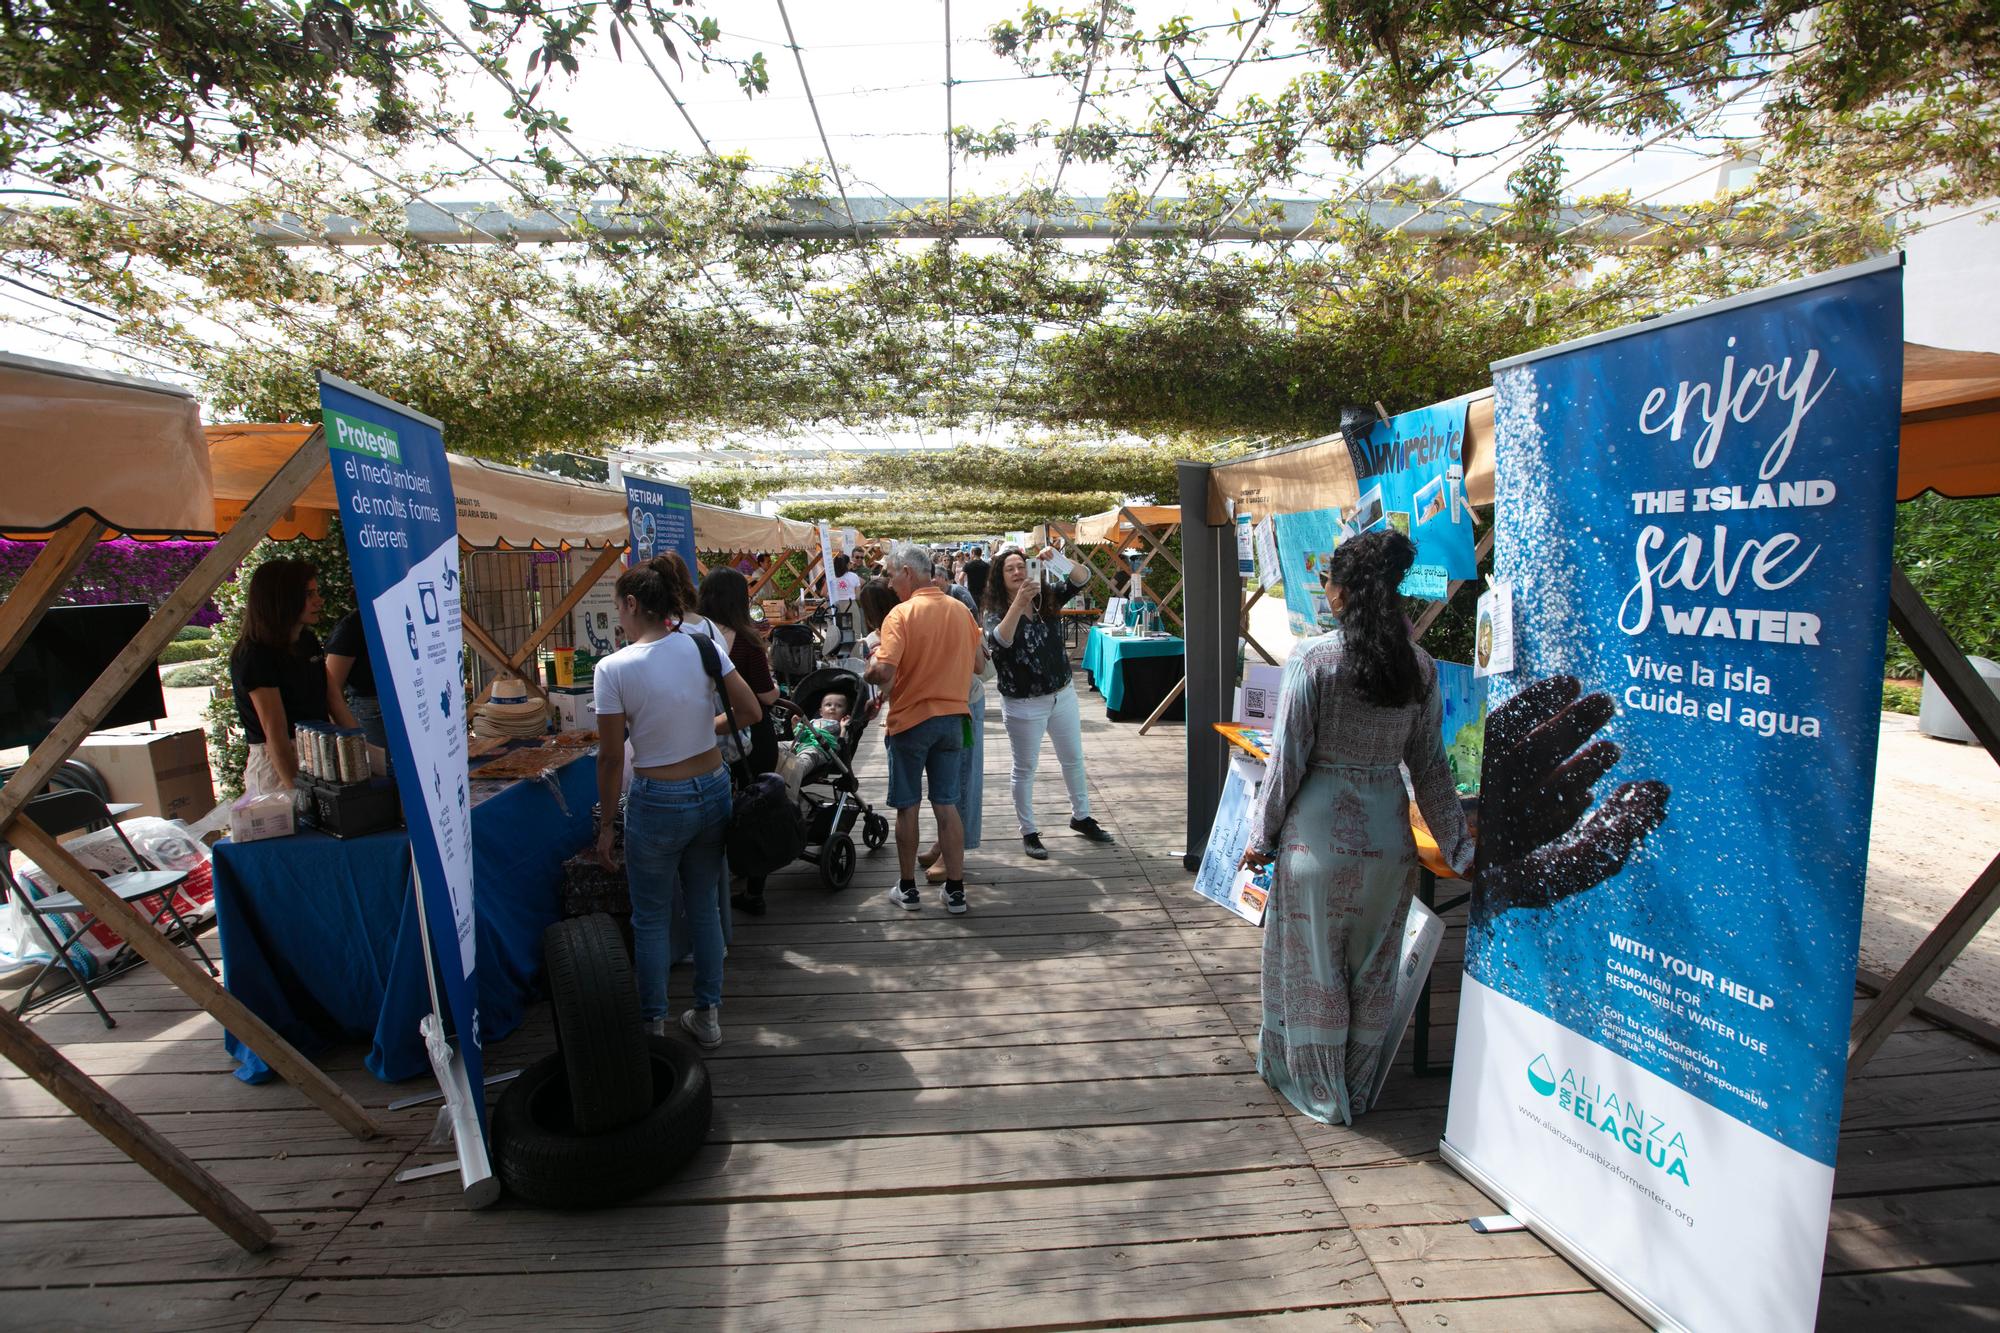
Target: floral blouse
pixel 1036 663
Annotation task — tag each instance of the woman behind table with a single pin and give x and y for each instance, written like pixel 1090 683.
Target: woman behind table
pixel 277 672
pixel 1024 639
pixel 1333 813
pixel 725 601
pixel 657 692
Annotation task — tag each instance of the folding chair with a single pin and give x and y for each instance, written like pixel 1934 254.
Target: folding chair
pixel 56 814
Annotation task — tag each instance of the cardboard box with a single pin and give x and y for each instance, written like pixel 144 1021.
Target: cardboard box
pixel 165 772
pixel 575 707
pixel 253 818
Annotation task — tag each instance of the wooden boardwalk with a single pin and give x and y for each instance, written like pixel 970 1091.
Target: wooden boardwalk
pixel 1042 1114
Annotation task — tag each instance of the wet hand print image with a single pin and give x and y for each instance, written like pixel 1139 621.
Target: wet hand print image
pixel 1541 841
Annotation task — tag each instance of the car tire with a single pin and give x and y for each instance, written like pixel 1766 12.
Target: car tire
pixel 542 1157
pixel 600 1034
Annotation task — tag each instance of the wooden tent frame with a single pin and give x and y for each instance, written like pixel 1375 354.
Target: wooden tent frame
pixel 1130 525
pixel 19 614
pixel 516 663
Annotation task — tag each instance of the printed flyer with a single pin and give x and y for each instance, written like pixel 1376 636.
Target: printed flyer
pixel 401 531
pixel 1411 471
pixel 1219 878
pixel 1696 517
pixel 1304 541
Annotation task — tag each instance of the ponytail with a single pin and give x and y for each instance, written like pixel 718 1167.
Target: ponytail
pixel 1379 655
pixel 656 595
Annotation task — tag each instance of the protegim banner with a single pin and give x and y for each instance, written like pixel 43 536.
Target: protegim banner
pixel 1695 516
pixel 400 526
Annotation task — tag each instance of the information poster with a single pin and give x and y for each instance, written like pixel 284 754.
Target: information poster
pixel 662 520
pixel 1305 540
pixel 1462 692
pixel 1696 516
pixel 825 558
pixel 401 529
pixel 1411 471
pixel 1219 879
pixel 594 621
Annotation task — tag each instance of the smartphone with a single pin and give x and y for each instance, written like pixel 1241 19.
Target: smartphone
pixel 1034 570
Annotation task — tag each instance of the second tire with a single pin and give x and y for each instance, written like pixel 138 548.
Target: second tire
pixel 599 1031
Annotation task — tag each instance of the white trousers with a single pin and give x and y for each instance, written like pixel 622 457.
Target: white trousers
pixel 260 775
pixel 1026 721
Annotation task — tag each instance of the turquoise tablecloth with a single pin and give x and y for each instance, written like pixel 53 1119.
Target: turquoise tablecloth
pixel 1105 655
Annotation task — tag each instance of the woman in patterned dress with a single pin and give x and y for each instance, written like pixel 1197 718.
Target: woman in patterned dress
pixel 1356 704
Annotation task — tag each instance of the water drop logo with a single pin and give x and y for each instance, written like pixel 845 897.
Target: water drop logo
pixel 1541 1077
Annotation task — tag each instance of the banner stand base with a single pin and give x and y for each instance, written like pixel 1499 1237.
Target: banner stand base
pixel 481 1186
pixel 1556 1241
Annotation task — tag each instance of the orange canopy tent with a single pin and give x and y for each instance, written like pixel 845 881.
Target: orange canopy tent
pixel 1950 444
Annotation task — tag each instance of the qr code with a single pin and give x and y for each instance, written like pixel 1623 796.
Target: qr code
pixel 1253 700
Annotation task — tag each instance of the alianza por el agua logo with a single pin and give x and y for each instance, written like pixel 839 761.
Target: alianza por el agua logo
pixel 362 437
pixel 1620 1119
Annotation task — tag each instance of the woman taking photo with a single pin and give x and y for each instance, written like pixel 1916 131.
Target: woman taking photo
pixel 1024 639
pixel 1355 704
pixel 725 602
pixel 277 672
pixel 656 692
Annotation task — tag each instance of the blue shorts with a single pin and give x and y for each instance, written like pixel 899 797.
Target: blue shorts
pixel 931 747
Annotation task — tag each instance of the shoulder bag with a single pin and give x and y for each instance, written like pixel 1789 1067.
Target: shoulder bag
pixel 765 833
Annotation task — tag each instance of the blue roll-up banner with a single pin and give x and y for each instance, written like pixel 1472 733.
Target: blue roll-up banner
pixel 1696 515
pixel 1411 473
pixel 401 527
pixel 661 516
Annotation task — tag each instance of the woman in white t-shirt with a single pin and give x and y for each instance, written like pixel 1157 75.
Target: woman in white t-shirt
pixel 658 692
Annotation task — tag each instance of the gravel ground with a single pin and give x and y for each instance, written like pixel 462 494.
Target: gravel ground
pixel 1936 826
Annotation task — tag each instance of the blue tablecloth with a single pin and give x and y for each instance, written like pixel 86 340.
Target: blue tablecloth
pixel 319 935
pixel 1105 655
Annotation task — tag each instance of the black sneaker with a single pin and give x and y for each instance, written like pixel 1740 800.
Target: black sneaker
pixel 953 898
pixel 906 898
pixel 1089 829
pixel 1031 843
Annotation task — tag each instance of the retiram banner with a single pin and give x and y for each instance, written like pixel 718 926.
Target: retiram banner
pixel 401 529
pixel 661 516
pixel 1695 516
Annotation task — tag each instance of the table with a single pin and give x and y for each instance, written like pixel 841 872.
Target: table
pixel 1075 618
pixel 1134 674
pixel 319 934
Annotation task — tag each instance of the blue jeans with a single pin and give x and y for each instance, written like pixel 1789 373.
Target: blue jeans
pixel 367 710
pixel 673 850
pixel 929 749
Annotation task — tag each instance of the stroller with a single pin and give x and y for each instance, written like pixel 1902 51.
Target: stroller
pixel 819 776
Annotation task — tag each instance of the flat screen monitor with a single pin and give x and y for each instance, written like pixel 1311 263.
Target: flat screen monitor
pixel 64 657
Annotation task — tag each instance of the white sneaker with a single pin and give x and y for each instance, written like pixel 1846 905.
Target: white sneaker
pixel 953 899
pixel 705 1026
pixel 656 1027
pixel 907 899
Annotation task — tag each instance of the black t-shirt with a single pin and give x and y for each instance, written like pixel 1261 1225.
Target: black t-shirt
pixel 975 579
pixel 299 676
pixel 347 640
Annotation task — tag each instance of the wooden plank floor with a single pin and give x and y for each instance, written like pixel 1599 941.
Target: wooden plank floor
pixel 1042 1114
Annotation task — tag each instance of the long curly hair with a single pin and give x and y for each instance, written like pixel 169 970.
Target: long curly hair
pixel 1379 657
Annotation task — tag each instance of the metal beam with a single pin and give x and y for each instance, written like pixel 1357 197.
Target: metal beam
pixel 881 217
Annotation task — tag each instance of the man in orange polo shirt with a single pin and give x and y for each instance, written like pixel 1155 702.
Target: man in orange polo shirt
pixel 930 650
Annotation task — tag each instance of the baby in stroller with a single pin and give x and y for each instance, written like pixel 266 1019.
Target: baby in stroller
pixel 828 722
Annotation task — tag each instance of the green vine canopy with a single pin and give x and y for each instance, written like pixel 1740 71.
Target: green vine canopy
pixel 713 317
